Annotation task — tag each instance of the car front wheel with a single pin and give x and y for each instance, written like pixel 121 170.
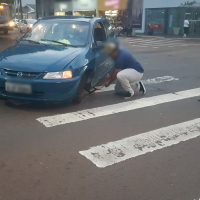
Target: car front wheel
pixel 80 94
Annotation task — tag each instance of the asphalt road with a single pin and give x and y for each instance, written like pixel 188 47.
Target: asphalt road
pixel 40 163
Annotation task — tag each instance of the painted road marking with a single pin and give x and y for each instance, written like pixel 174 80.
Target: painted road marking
pixel 152 81
pixel 93 113
pixel 114 152
pixel 157 43
pixel 144 45
pixel 160 42
pixel 154 40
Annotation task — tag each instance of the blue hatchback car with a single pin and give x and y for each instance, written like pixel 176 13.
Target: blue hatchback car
pixel 57 60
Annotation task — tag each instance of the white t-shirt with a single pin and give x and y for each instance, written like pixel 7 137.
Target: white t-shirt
pixel 186 23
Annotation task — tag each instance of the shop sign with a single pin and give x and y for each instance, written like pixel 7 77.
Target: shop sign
pixel 104 5
pixel 84 5
pixel 63 6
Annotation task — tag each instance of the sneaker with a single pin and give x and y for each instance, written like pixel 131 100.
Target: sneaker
pixel 128 96
pixel 142 88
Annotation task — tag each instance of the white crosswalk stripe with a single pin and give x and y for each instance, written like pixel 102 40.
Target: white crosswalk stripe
pixel 121 150
pixel 159 42
pixel 67 118
pixel 117 151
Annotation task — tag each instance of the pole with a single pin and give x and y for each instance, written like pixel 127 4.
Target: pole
pixel 20 7
pixel 14 9
pixel 17 8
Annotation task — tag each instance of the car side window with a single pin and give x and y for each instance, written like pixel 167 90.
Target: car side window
pixel 99 33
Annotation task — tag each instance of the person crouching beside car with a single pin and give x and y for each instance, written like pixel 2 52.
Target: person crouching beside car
pixel 128 71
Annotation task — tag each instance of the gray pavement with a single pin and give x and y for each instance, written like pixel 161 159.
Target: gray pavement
pixel 39 163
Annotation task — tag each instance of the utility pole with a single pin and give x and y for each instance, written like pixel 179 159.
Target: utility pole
pixel 20 8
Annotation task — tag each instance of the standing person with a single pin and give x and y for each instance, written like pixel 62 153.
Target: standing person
pixel 128 71
pixel 186 28
pixel 129 30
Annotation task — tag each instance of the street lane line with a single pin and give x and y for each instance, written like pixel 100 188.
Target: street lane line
pixel 115 152
pixel 151 81
pixel 157 42
pixel 154 40
pixel 157 45
pixel 154 43
pixel 93 113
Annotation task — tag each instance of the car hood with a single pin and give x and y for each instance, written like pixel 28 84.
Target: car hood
pixel 38 57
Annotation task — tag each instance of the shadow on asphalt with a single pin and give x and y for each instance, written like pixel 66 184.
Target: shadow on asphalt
pixel 91 101
pixel 35 106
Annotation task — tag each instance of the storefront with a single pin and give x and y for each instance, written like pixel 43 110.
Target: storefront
pixel 169 21
pixel 81 7
pixel 85 7
pixel 75 7
pixel 111 8
pixel 66 7
pixel 63 8
pixel 167 17
pixel 135 12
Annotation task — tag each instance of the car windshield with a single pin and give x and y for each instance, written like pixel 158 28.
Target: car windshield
pixel 63 32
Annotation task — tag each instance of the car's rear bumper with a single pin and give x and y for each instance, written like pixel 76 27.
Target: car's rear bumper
pixel 43 90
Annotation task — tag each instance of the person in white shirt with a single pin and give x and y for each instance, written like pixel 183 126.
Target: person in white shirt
pixel 186 27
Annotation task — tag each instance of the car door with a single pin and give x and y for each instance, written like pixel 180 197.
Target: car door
pixel 103 64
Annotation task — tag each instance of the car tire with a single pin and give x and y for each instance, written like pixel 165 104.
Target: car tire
pixel 80 94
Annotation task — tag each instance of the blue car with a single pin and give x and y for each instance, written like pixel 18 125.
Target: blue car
pixel 57 60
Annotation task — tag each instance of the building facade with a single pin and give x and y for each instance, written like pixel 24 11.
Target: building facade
pixel 29 11
pixel 168 16
pixel 78 7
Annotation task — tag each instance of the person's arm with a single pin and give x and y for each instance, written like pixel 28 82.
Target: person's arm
pixel 112 77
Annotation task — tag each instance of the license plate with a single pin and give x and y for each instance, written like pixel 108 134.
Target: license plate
pixel 18 88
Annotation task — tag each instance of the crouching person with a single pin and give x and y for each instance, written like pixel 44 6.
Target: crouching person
pixel 128 71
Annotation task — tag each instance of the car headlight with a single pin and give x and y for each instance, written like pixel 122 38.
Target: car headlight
pixel 11 23
pixel 58 75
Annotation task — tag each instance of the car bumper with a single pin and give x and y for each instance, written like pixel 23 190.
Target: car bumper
pixel 43 90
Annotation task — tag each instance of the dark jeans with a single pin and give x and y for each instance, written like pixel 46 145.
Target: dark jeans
pixel 186 30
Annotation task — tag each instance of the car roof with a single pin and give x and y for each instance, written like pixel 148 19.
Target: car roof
pixel 75 18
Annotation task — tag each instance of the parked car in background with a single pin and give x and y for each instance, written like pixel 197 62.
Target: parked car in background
pixel 59 59
pixel 26 24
